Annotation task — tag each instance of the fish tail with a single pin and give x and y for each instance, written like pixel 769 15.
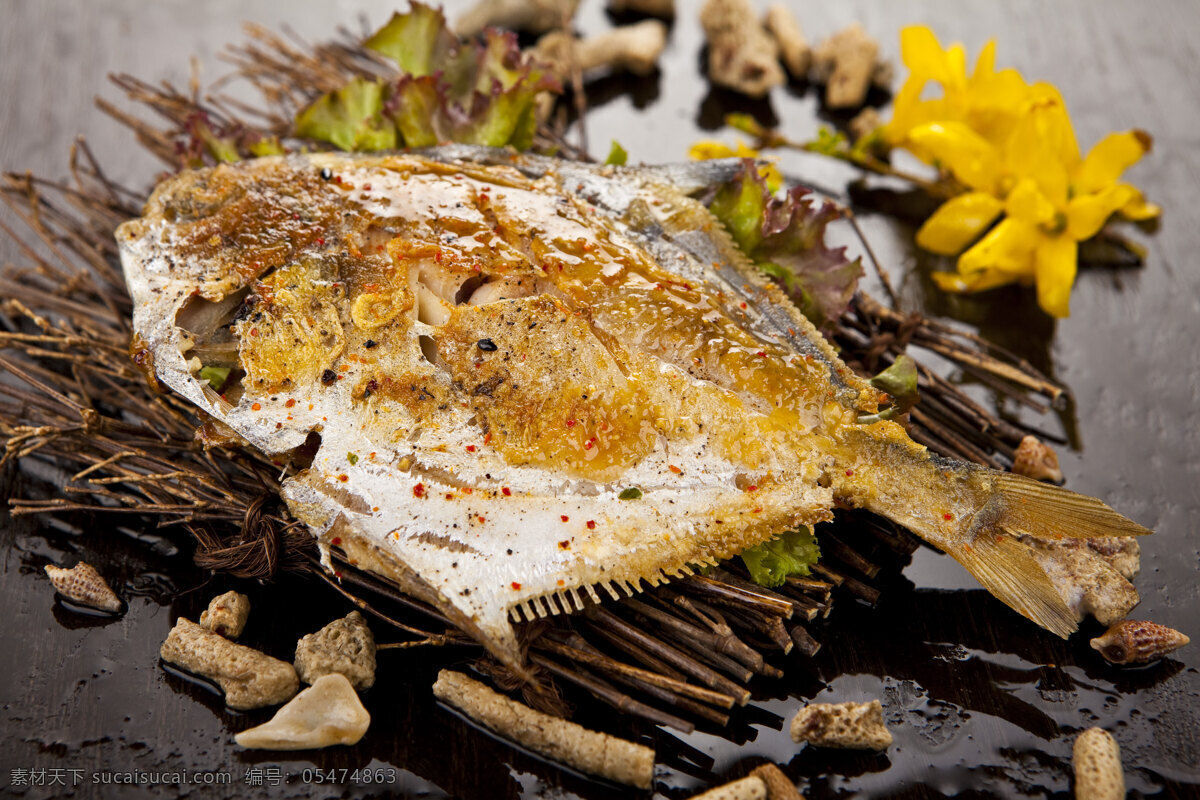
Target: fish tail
pixel 1017 506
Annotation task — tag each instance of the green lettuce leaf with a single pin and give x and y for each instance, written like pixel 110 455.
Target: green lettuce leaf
pixel 417 41
pixel 472 93
pixel 785 237
pixel 350 118
pixel 900 382
pixel 793 553
pixel 617 155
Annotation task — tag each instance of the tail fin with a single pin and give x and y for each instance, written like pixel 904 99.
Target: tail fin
pixel 1008 568
pixel 1045 511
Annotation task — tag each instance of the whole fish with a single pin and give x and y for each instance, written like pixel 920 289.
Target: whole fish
pixel 506 382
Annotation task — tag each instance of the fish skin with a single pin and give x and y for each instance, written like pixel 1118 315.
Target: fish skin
pixel 624 308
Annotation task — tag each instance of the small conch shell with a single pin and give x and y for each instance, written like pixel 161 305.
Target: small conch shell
pixel 1134 641
pixel 82 584
pixel 326 713
pixel 1036 459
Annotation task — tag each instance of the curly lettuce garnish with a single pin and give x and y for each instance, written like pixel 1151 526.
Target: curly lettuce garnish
pixel 472 93
pixel 349 118
pixel 785 237
pixel 772 562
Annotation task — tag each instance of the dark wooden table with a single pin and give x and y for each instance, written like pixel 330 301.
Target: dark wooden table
pixel 981 702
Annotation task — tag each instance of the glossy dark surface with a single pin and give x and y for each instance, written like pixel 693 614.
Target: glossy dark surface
pixel 980 701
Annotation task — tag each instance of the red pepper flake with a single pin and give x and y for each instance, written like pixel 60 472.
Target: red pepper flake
pixel 570 423
pixel 565 518
pixel 256 407
pixel 757 510
pixel 751 488
pixel 507 492
pixel 419 490
pixel 561 582
pixel 743 305
pixel 487 437
pixel 310 406
pixel 291 402
pixel 849 472
pixel 375 508
pixel 343 477
pixel 482 519
pixel 336 541
pixel 449 495
pixel 516 585
pixel 591 523
pixel 565 544
pixel 254 331
pixel 589 443
pixel 470 448
pixel 947 516
pixel 366 187
pixel 278 425
pixel 320 242
pixel 761 354
pixel 337 573
pixel 675 469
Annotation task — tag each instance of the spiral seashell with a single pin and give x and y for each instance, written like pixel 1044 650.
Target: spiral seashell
pixel 1036 459
pixel 1133 641
pixel 82 584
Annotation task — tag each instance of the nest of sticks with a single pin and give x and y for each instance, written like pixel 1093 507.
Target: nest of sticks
pixel 75 403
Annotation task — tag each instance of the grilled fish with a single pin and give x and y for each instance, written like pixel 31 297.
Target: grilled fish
pixel 527 380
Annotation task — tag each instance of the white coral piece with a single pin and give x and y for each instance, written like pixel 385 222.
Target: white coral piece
pixel 327 713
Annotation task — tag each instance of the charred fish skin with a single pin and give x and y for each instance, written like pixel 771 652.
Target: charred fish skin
pixel 491 347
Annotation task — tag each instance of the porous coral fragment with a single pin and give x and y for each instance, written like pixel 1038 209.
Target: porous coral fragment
pixel 855 726
pixel 249 678
pixel 344 646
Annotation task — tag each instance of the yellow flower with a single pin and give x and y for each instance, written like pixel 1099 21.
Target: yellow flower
pixel 1011 148
pixel 706 149
pixel 987 102
pixel 1057 201
pixel 1040 147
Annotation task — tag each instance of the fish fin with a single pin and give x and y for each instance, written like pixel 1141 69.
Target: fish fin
pixel 1045 511
pixel 1008 569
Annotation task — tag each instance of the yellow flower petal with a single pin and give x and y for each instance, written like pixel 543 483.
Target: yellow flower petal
pixel 705 149
pixel 1027 203
pixel 958 222
pixel 926 61
pixel 1139 209
pixel 1056 264
pixel 959 149
pixel 976 282
pixel 1004 255
pixel 1034 148
pixel 1087 213
pixel 985 65
pixel 951 282
pixel 1111 156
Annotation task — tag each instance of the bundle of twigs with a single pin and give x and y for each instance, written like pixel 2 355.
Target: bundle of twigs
pixel 73 400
